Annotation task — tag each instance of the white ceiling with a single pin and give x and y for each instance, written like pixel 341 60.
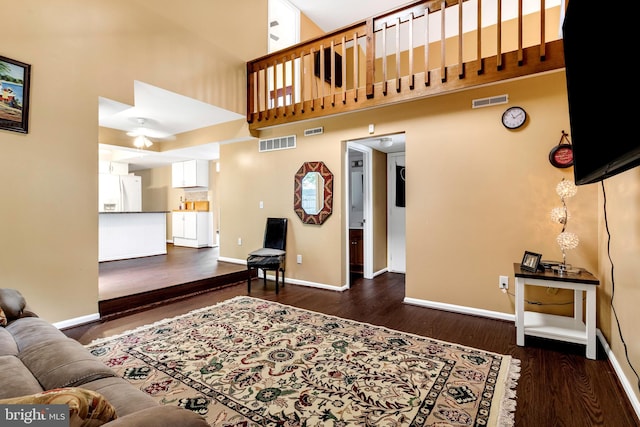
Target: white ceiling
pixel 167 114
pixel 330 15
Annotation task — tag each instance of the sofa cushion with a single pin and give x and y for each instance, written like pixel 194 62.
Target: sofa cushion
pixel 16 379
pixel 7 343
pixel 86 408
pixel 28 331
pixel 122 394
pixel 12 303
pixel 63 363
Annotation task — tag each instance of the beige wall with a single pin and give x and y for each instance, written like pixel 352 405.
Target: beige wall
pixel 478 195
pixel 620 275
pixel 79 51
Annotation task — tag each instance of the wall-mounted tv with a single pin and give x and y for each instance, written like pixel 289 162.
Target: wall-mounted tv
pixel 596 52
pixel 327 66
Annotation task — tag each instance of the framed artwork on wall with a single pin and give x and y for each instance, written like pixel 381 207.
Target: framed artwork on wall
pixel 14 95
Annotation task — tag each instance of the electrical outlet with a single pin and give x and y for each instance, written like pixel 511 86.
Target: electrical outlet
pixel 299 259
pixel 239 241
pixel 503 282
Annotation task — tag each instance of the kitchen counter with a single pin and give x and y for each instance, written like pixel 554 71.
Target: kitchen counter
pixel 145 212
pixel 123 235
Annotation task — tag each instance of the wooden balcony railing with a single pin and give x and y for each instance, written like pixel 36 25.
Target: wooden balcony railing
pixel 425 49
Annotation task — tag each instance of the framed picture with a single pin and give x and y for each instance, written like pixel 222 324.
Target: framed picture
pixel 530 261
pixel 14 95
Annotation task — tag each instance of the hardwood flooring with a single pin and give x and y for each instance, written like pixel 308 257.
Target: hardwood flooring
pixel 558 386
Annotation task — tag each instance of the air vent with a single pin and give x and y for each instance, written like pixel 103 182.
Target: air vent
pixel 486 102
pixel 281 143
pixel 314 131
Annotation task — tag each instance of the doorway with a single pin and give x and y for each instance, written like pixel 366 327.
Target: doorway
pixel 375 225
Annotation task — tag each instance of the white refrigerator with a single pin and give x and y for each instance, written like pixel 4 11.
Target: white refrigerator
pixel 119 193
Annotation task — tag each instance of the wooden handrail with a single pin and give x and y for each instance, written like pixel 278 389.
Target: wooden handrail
pixel 353 68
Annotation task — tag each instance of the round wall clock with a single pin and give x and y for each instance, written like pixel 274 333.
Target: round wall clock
pixel 514 117
pixel 561 156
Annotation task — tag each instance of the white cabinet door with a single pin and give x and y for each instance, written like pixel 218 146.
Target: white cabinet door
pixel 113 168
pixel 190 173
pixel 177 224
pixel 190 225
pixel 177 175
pixel 190 229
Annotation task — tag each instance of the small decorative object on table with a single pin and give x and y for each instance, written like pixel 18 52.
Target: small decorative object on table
pixel 530 261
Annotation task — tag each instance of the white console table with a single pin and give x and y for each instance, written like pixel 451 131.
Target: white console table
pixel 570 329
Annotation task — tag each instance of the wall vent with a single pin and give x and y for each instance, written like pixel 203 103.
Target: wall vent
pixel 486 102
pixel 281 143
pixel 314 131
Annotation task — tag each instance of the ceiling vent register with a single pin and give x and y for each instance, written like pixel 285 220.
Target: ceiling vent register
pixel 314 131
pixel 281 143
pixel 486 102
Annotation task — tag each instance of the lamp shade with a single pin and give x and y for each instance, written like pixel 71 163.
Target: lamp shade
pixel 566 189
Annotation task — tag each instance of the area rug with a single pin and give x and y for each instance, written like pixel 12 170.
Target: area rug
pixel 251 362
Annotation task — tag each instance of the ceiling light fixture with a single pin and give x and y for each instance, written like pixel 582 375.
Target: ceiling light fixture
pixel 385 142
pixel 141 141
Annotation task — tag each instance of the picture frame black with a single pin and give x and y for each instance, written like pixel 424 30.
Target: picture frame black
pixel 530 261
pixel 15 81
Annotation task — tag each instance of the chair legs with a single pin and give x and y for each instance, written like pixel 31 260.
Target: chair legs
pixel 264 275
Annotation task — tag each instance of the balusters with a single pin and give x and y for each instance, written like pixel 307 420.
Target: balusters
pixel 443 40
pixel 479 57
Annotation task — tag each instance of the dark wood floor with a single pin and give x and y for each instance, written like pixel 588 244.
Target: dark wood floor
pixel 558 386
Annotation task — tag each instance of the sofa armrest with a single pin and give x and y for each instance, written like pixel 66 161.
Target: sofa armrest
pixel 12 303
pixel 160 416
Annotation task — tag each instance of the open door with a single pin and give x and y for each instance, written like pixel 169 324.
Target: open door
pixel 396 219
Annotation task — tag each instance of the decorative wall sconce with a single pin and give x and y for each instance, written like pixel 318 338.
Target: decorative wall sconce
pixel 566 240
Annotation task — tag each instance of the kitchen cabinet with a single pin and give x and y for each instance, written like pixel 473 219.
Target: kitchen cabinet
pixel 113 168
pixel 190 229
pixel 356 251
pixel 190 173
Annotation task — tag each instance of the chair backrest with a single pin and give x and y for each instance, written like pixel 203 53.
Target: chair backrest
pixel 275 233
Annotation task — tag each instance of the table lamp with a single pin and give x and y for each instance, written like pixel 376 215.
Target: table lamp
pixel 566 240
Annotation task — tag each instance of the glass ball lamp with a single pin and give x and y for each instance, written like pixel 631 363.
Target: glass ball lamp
pixel 566 240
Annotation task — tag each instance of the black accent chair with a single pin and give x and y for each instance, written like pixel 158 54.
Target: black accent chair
pixel 271 257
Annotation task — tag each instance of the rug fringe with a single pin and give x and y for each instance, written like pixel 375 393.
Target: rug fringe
pixel 508 404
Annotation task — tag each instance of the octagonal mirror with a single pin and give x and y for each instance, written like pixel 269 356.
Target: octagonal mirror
pixel 313 193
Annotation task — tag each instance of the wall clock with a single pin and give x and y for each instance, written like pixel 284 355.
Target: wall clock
pixel 514 117
pixel 561 156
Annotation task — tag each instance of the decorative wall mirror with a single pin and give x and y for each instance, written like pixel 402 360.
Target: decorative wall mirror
pixel 313 193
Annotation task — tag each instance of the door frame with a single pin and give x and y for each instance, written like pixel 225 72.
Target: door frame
pixel 367 232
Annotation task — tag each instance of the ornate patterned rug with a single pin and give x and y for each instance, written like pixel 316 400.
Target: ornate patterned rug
pixel 251 362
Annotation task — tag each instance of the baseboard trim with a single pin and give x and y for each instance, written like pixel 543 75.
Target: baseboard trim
pixel 379 272
pixel 626 385
pixel 461 309
pixel 77 321
pixel 308 284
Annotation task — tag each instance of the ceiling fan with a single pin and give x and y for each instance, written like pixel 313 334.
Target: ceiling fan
pixel 142 134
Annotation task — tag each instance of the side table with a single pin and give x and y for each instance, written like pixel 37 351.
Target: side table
pixel 564 328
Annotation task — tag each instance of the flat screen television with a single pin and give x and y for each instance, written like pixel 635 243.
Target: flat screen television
pixel 597 50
